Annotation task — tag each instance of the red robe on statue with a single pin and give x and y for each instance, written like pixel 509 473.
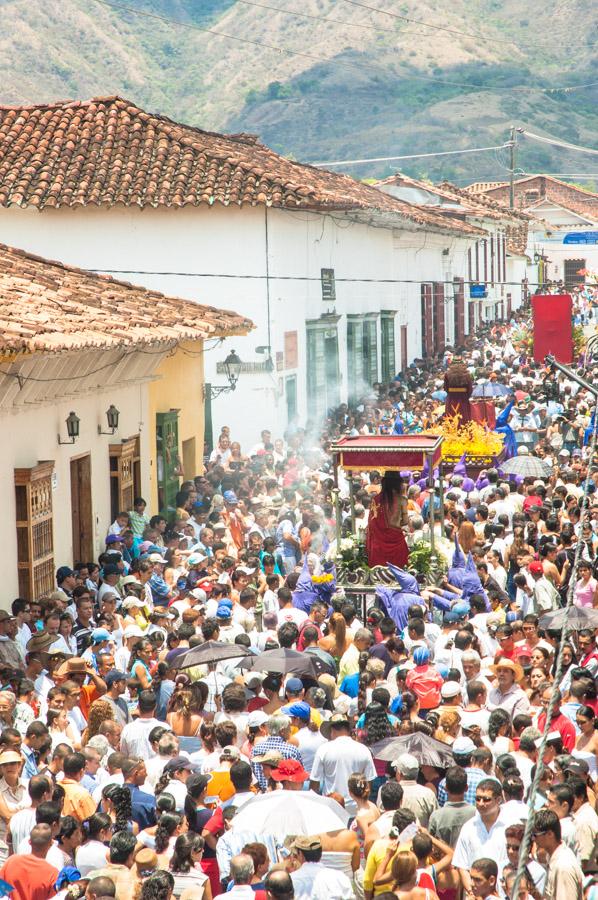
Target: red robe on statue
pixel 458 384
pixel 384 543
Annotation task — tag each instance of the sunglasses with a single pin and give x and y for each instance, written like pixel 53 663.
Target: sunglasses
pixel 537 834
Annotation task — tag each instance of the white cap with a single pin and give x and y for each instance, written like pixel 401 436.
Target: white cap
pixel 463 745
pixel 450 689
pixel 257 718
pixel 132 631
pixel 405 763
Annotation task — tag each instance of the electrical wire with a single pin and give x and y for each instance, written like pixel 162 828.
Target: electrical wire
pixel 327 59
pixel 352 162
pixel 526 841
pixel 556 143
pixel 289 12
pixel 303 278
pixel 394 15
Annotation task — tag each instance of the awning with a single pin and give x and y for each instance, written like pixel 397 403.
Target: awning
pixel 387 453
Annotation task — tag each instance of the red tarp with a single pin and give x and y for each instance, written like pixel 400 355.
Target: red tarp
pixel 553 327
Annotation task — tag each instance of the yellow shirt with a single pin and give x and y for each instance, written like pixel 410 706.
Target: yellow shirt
pixel 375 857
pixel 77 801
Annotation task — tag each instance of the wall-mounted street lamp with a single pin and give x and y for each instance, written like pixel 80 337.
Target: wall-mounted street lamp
pixel 72 428
pixel 112 416
pixel 232 369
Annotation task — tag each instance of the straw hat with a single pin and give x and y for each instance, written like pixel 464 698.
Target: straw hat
pixel 514 667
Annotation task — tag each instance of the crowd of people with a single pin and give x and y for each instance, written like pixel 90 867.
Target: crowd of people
pixel 140 761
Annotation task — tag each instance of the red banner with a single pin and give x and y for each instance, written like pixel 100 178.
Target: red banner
pixel 553 327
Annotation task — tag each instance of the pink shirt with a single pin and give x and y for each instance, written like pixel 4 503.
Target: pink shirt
pixel 584 593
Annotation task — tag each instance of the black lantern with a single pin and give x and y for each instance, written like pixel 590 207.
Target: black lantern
pixel 72 428
pixel 112 416
pixel 232 369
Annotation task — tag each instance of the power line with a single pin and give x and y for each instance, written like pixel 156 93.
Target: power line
pixel 288 12
pixel 326 59
pixel 556 142
pixel 304 278
pixel 394 15
pixel 350 162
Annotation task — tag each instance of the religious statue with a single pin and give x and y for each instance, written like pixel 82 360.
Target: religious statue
pixel 458 385
pixel 385 541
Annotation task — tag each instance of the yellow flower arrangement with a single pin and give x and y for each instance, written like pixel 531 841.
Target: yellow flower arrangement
pixel 322 579
pixel 472 439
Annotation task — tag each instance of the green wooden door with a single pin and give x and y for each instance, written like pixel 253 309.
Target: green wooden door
pixel 167 460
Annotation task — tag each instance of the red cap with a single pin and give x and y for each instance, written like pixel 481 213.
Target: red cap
pixel 536 567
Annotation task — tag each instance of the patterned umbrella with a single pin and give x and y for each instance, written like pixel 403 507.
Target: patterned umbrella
pixel 427 750
pixel 491 389
pixel 579 617
pixel 527 467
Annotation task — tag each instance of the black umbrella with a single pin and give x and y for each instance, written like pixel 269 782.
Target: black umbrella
pixel 578 617
pixel 427 750
pixel 209 652
pixel 285 662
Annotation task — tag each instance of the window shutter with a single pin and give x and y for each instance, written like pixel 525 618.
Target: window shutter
pixel 439 337
pixel 427 319
pixel 35 530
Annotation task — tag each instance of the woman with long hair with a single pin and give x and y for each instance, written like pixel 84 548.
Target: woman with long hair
pixel 337 640
pixel 500 729
pixel 586 745
pixel 99 711
pixel 91 855
pixel 140 678
pixel 569 657
pixel 173 780
pixel 165 803
pixel 198 814
pixel 186 714
pixel 540 659
pixel 537 677
pixel 60 728
pixel 168 830
pixel 449 724
pixel 158 886
pixel 367 811
pixel 116 801
pixel 385 540
pixel 185 865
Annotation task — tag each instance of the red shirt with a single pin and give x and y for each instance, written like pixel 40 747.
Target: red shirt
pixel 425 682
pixel 31 877
pixel 564 726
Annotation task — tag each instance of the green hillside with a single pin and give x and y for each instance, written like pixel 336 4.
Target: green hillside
pixel 372 85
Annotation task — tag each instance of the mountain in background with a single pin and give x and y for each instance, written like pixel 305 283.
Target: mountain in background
pixel 368 85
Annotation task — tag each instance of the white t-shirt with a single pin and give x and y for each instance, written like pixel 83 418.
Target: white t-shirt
pixel 91 856
pixel 291 615
pixel 335 761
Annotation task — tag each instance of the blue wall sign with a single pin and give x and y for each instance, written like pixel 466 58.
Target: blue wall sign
pixel 581 237
pixel 478 291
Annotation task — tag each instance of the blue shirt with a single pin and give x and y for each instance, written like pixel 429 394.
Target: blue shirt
pixel 30 767
pixel 474 776
pixel 143 807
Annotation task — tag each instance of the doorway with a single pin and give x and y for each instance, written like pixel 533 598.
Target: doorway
pixel 81 509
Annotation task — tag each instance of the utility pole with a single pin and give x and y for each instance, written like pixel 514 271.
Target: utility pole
pixel 512 145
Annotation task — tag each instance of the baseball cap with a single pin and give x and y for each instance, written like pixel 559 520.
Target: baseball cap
pixel 305 842
pixel 535 567
pixel 463 745
pixel 450 689
pixel 99 634
pixel 257 718
pixel 196 559
pixel 199 595
pixel 131 601
pixel 461 610
pixel 113 676
pixel 10 756
pixel 178 762
pixel 155 557
pixel 450 617
pixel 62 573
pixel 294 685
pixel 245 570
pixel 114 539
pixel 230 497
pixel 406 762
pixel 5 616
pixel 223 612
pixel 132 631
pixel 298 710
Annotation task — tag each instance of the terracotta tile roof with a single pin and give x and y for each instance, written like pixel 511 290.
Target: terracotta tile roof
pixel 45 306
pixel 579 200
pixel 107 151
pixel 483 204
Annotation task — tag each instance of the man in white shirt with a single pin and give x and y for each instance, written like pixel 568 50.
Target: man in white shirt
pixel 134 741
pixel 545 596
pixel 507 694
pixel 341 757
pixel 484 835
pixel 314 880
pixel 21 823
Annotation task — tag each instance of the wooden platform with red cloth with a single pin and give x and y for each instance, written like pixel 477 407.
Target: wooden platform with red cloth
pixel 387 453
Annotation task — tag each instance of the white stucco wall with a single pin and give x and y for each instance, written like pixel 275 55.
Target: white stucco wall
pixel 30 436
pixel 216 240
